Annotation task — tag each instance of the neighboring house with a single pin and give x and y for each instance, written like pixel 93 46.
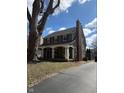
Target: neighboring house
pixel 65 45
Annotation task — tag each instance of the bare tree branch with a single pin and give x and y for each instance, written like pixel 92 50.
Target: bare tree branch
pixel 40 27
pixel 50 10
pixel 57 5
pixel 42 6
pixel 36 9
pixel 50 5
pixel 28 15
pixel 36 28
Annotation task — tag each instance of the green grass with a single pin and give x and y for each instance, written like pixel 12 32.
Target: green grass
pixel 41 71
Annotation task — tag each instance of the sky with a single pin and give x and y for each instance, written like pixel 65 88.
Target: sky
pixel 68 12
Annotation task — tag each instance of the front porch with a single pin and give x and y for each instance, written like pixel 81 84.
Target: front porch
pixel 57 53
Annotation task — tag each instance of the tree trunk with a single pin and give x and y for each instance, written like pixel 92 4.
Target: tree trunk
pixel 36 27
pixel 33 42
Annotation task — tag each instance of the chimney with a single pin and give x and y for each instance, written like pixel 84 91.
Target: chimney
pixel 78 41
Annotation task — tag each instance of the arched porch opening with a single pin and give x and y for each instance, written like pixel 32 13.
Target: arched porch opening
pixel 47 53
pixel 70 52
pixel 59 53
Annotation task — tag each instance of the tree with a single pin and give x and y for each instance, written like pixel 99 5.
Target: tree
pixel 94 45
pixel 36 26
pixel 88 54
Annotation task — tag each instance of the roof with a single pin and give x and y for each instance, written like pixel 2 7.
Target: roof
pixel 62 32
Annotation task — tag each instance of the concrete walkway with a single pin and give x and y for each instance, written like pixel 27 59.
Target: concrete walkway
pixel 81 79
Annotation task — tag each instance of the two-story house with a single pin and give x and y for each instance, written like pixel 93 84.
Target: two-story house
pixel 65 45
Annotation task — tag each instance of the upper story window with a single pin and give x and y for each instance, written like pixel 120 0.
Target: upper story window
pixel 45 41
pixel 60 39
pixel 51 40
pixel 48 40
pixel 69 37
pixel 64 38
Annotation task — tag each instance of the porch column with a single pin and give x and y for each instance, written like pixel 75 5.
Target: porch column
pixel 42 52
pixel 73 53
pixel 52 53
pixel 67 53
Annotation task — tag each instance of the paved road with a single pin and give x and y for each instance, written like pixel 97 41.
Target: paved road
pixel 80 79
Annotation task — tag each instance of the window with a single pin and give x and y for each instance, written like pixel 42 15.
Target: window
pixel 45 41
pixel 48 40
pixel 69 37
pixel 60 39
pixel 51 40
pixel 55 39
pixel 64 38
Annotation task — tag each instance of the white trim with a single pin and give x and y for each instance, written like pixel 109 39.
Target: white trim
pixel 53 53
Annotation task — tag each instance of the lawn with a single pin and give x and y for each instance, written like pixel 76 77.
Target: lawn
pixel 40 71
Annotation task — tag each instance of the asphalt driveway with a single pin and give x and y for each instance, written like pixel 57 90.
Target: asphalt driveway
pixel 81 79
